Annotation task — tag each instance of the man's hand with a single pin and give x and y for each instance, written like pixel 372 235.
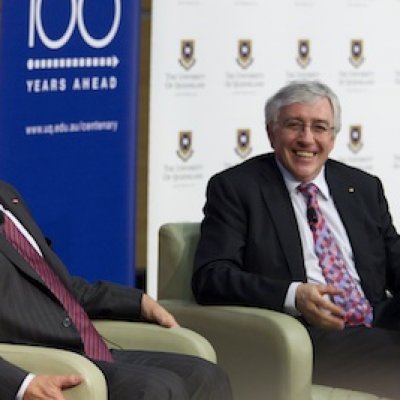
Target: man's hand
pixel 152 311
pixel 50 387
pixel 317 310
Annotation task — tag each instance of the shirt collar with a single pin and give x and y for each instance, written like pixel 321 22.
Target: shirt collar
pixel 292 183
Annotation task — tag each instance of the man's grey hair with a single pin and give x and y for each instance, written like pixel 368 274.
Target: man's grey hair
pixel 302 92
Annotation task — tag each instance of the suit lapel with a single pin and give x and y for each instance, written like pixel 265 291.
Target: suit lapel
pixel 8 250
pixel 22 214
pixel 17 207
pixel 278 202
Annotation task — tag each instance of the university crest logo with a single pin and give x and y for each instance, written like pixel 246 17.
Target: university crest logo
pixel 243 148
pixel 355 134
pixel 187 59
pixel 244 57
pixel 185 150
pixel 303 53
pixel 356 52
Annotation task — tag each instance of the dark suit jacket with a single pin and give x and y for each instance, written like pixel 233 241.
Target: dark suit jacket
pixel 30 314
pixel 250 250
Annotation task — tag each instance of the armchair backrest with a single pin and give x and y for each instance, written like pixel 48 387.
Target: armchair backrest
pixel 177 246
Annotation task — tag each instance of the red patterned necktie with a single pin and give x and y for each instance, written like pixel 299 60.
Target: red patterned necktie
pixel 357 309
pixel 94 345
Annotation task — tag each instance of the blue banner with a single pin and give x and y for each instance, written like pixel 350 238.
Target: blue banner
pixel 68 105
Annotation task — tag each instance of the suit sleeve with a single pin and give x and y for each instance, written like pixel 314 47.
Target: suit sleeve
pixel 222 270
pixel 374 239
pixel 391 243
pixel 11 378
pixel 108 300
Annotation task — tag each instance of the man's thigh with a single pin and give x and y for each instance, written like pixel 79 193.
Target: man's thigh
pixel 164 376
pixel 366 359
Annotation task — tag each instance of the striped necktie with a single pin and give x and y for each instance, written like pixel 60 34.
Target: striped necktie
pixel 94 345
pixel 357 309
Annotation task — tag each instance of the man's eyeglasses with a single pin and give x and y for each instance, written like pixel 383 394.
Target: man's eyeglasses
pixel 318 128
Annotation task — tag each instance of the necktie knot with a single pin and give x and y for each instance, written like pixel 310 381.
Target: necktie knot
pixel 309 190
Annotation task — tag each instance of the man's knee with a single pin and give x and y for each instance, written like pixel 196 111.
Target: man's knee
pixel 208 381
pixel 163 385
pixel 146 384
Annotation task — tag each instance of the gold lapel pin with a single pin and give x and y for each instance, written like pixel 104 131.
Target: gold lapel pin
pixel 351 189
pixel 15 200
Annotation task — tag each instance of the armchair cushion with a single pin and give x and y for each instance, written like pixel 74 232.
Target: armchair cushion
pixel 263 352
pixel 329 393
pixel 118 334
pixel 42 360
pixel 145 336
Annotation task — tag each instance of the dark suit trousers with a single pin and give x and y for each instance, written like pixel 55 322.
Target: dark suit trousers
pixel 359 358
pixel 163 376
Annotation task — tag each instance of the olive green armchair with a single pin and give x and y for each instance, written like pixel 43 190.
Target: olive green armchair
pixel 118 334
pixel 267 354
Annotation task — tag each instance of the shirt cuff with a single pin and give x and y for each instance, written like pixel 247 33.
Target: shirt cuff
pixel 23 387
pixel 290 300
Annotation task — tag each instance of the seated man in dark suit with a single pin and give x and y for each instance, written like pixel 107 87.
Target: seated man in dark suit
pixel 297 232
pixel 41 304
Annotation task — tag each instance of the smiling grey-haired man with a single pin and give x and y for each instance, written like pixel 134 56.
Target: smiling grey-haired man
pixel 298 232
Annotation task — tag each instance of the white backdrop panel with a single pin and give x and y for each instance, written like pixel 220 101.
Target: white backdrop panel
pixel 238 53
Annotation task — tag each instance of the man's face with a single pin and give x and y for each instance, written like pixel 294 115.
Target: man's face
pixel 303 137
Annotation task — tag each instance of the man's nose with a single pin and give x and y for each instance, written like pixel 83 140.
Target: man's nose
pixel 306 134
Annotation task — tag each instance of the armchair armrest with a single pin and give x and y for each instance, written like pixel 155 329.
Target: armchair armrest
pixel 328 393
pixel 265 353
pixel 146 336
pixel 118 334
pixel 43 360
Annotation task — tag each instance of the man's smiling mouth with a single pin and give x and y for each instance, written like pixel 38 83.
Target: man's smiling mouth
pixel 305 154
